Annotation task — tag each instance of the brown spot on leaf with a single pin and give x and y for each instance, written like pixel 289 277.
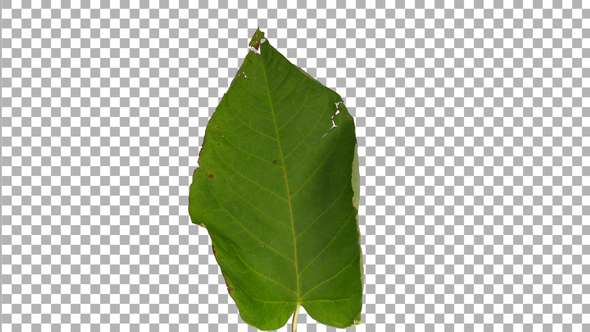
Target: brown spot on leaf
pixel 274 162
pixel 195 171
pixel 210 176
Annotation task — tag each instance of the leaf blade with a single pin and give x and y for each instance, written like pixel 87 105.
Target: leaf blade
pixel 274 191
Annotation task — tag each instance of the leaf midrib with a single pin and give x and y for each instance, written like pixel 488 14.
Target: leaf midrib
pixel 286 182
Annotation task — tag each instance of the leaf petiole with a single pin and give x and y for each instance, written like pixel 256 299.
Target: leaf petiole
pixel 294 324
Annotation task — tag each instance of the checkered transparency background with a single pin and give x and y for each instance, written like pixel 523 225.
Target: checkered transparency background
pixel 473 124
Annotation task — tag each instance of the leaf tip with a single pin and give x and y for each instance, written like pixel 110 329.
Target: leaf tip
pixel 257 39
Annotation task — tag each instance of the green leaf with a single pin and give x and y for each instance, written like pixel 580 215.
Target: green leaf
pixel 277 193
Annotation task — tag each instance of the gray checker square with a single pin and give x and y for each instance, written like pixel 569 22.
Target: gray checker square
pixel 473 124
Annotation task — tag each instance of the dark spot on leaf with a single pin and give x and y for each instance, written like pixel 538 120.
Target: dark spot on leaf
pixel 210 176
pixel 338 219
pixel 274 162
